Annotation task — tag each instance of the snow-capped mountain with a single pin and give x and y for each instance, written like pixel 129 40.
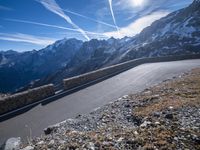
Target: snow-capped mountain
pixel 19 69
pixel 177 33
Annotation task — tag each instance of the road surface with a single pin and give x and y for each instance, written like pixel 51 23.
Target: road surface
pixel 32 122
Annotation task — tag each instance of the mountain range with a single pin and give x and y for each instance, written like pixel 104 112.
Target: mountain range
pixel 177 33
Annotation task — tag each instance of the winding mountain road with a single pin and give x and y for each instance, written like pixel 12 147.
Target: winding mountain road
pixel 32 122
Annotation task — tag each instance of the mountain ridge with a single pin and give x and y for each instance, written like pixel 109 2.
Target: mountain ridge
pixel 177 33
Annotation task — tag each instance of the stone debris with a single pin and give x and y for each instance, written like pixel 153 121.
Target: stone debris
pixel 164 117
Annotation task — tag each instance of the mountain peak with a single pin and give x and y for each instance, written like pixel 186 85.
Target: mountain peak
pixel 196 2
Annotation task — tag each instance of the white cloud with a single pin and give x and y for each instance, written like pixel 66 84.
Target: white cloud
pixel 19 37
pixel 52 6
pixel 138 25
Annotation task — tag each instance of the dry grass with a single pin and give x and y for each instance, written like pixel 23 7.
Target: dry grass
pixel 178 93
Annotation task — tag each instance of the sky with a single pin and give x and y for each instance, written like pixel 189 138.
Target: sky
pixel 33 24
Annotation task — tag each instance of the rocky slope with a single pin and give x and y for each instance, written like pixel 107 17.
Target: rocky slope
pixel 178 33
pixel 165 116
pixel 19 69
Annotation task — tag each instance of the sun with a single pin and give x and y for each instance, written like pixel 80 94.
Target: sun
pixel 138 3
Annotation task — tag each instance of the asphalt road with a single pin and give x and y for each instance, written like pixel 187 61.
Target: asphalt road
pixel 32 122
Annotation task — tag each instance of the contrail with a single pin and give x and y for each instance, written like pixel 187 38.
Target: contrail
pixel 52 26
pixel 113 16
pixel 20 37
pixel 41 24
pixel 52 6
pixel 94 20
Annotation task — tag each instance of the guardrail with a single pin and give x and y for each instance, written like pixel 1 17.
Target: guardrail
pixel 116 69
pixel 24 98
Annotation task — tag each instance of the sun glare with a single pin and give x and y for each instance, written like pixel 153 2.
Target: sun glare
pixel 137 3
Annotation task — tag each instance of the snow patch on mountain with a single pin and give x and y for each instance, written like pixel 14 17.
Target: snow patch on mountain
pixel 4 60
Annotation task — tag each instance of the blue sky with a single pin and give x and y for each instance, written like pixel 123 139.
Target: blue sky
pixel 34 24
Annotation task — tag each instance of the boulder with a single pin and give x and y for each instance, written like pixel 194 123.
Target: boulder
pixel 13 143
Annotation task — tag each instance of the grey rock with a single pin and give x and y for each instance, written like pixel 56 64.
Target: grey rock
pixel 49 130
pixel 28 148
pixel 51 143
pixel 145 124
pixel 156 114
pixel 135 119
pixel 169 116
pixel 13 143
